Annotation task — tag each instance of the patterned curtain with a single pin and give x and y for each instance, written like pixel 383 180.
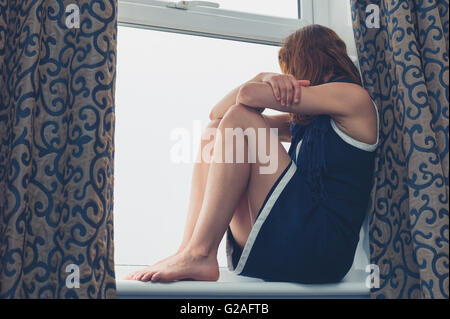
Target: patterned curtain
pixel 57 77
pixel 403 54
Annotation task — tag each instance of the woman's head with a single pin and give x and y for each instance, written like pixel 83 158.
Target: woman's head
pixel 314 53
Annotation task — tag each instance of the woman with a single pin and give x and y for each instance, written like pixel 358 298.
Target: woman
pixel 300 223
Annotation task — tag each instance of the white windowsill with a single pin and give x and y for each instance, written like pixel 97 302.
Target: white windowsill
pixel 234 286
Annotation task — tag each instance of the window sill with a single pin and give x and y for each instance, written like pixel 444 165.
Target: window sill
pixel 234 287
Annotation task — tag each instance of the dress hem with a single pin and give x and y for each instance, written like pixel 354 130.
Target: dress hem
pixel 264 212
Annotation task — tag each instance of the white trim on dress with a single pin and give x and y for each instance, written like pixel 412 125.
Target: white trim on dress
pixel 263 215
pixel 358 144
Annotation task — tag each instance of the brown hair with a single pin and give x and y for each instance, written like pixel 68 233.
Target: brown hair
pixel 312 53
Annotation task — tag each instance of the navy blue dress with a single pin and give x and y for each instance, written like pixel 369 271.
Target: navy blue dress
pixel 308 228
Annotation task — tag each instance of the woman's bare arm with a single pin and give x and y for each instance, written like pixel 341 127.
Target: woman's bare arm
pixel 331 98
pixel 229 100
pixel 286 89
pixel 348 104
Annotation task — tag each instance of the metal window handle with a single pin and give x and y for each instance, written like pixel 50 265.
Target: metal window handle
pixel 185 5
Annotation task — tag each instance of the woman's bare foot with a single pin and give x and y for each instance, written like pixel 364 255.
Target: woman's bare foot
pixel 136 274
pixel 184 265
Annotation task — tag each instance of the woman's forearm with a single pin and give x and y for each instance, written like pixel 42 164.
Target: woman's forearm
pixel 229 100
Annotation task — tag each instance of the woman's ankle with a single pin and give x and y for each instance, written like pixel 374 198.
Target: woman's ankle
pixel 180 250
pixel 202 251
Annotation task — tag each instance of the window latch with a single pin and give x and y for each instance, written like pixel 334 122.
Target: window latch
pixel 186 5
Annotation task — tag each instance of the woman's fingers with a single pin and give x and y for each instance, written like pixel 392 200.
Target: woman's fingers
pixel 283 92
pixel 298 88
pixel 276 89
pixel 290 91
pixel 304 82
pixel 286 89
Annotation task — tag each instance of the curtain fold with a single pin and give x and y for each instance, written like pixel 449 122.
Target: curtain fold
pixel 57 83
pixel 404 65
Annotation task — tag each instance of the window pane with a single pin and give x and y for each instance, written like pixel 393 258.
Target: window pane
pixel 167 83
pixel 284 8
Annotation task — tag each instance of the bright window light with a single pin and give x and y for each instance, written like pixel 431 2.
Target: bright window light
pixel 167 82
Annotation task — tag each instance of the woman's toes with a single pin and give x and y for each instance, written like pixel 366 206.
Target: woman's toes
pixel 156 277
pixel 139 275
pixel 147 276
pixel 131 276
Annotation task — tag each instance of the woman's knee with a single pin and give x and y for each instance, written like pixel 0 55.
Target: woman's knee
pixel 213 123
pixel 241 116
pixel 210 130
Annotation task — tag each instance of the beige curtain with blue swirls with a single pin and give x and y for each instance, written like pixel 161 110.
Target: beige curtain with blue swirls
pixel 405 68
pixel 56 148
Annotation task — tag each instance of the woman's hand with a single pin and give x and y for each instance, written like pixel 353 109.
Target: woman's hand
pixel 286 88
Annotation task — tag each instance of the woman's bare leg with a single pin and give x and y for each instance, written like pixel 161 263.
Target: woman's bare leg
pixel 225 186
pixel 241 223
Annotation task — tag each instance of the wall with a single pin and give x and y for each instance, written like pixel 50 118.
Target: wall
pixel 336 14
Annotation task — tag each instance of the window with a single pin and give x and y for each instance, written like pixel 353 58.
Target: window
pixel 173 65
pixel 167 83
pixel 285 8
pixel 216 22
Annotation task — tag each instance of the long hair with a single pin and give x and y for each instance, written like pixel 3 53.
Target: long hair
pixel 313 53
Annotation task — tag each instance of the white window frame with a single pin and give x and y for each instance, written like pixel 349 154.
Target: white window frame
pixel 212 22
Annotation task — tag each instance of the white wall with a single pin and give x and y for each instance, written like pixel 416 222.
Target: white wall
pixel 341 22
pixel 336 14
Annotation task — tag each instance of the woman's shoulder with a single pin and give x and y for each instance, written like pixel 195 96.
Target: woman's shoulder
pixel 364 119
pixel 351 90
